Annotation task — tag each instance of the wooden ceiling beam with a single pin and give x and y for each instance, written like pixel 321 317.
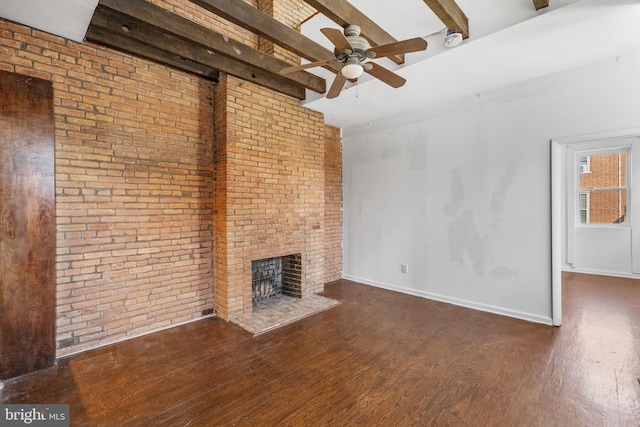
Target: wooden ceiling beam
pixel 114 29
pixel 127 44
pixel 343 13
pixel 258 22
pixel 540 4
pixel 173 25
pixel 451 15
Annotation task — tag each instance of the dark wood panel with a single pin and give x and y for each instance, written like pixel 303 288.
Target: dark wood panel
pixel 130 45
pixel 27 228
pixel 380 358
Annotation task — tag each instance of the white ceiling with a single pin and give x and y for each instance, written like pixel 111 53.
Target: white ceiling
pixel 65 18
pixel 509 42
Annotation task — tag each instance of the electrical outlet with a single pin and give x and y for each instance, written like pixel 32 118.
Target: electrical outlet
pixel 404 268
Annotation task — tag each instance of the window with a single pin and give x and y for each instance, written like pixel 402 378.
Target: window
pixel 584 164
pixel 584 207
pixel 603 191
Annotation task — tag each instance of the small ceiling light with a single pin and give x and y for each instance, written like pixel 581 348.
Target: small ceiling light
pixel 452 39
pixel 352 69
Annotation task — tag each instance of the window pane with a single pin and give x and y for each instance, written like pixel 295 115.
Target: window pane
pixel 583 201
pixel 583 217
pixel 606 207
pixel 603 192
pixel 606 171
pixel 583 163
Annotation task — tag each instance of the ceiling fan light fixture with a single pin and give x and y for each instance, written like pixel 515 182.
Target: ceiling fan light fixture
pixel 353 52
pixel 352 71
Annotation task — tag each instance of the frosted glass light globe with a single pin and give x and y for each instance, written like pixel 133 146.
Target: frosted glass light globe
pixel 352 71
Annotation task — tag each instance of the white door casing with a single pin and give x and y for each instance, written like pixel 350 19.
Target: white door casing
pixel 563 209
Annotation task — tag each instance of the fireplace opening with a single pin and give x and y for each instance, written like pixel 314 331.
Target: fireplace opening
pixel 273 277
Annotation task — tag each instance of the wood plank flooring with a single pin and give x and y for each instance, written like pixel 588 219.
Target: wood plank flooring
pixel 379 358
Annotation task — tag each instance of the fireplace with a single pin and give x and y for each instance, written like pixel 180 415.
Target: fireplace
pixel 277 290
pixel 269 189
pixel 273 277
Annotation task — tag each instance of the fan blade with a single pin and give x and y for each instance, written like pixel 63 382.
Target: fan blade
pixel 336 86
pixel 381 73
pixel 398 48
pixel 337 38
pixel 305 66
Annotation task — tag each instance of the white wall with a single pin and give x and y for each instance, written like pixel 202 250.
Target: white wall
pixel 461 192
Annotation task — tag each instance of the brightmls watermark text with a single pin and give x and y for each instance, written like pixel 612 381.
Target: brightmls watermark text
pixel 34 415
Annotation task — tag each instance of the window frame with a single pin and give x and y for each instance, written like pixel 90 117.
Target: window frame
pixel 587 210
pixel 578 191
pixel 587 164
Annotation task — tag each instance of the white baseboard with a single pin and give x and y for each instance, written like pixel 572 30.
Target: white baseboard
pixel 600 272
pixel 455 301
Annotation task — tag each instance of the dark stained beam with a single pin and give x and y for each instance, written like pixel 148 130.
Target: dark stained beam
pixel 127 44
pixel 343 13
pixel 170 24
pixel 540 4
pixel 114 29
pixel 258 22
pixel 451 15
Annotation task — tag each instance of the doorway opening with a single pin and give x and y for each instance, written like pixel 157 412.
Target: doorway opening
pixel 583 208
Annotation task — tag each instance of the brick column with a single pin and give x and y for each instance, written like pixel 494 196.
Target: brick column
pixel 269 160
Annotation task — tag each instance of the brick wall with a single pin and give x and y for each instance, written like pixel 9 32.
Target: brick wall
pixel 269 189
pixel 133 187
pixel 264 44
pixel 333 206
pixel 135 182
pixel 291 13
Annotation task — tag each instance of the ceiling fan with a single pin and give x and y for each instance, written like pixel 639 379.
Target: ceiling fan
pixel 353 51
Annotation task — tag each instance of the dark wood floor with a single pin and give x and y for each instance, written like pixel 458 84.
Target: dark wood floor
pixel 379 358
